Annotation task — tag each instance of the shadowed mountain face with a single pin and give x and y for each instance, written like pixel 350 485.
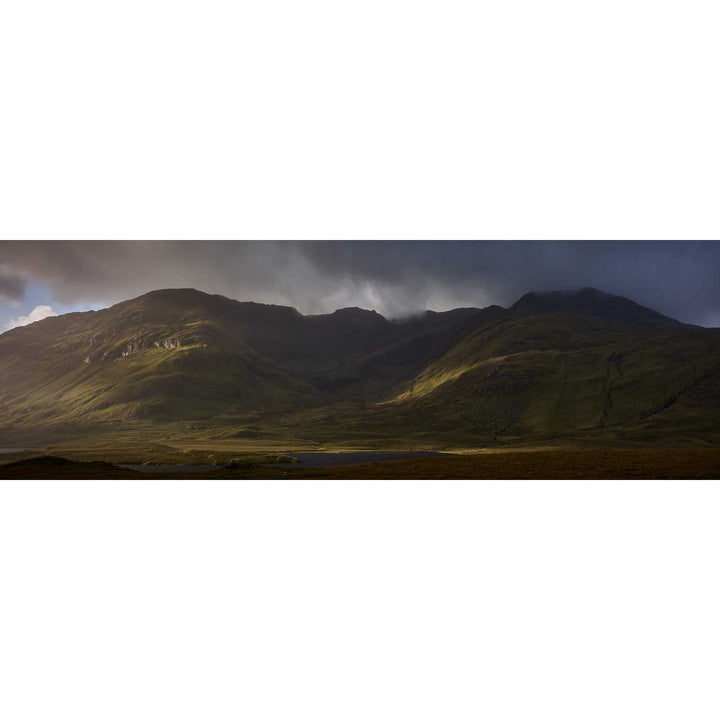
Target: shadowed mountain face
pixel 590 301
pixel 554 364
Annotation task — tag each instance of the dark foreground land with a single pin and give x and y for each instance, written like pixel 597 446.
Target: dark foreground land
pixel 547 464
pixel 516 464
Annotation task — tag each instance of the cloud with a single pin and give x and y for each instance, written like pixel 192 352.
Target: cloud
pixel 12 287
pixel 38 313
pixel 395 278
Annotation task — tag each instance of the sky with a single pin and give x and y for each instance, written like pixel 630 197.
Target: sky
pixel 397 278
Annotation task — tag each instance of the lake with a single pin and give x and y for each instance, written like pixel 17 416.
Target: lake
pixel 305 460
pixel 170 468
pixel 332 459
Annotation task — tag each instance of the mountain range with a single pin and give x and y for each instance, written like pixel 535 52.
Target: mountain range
pixel 564 364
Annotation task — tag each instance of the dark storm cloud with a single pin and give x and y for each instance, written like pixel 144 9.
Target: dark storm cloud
pixel 681 279
pixel 396 278
pixel 12 287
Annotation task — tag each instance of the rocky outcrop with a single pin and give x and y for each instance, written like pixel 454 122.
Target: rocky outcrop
pixel 132 348
pixel 136 346
pixel 168 343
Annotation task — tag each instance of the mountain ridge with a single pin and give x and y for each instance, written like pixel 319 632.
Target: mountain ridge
pixel 588 301
pixel 542 300
pixel 553 364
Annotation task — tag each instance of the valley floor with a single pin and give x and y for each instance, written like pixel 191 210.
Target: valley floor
pixel 644 463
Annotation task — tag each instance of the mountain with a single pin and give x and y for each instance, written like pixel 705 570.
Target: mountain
pixel 554 365
pixel 559 374
pixel 590 301
pixel 170 354
pixel 183 354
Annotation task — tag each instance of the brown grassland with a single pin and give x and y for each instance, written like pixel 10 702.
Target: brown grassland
pixel 517 464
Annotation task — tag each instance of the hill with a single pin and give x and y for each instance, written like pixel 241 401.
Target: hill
pixel 568 364
pixel 182 354
pixel 565 374
pixel 590 301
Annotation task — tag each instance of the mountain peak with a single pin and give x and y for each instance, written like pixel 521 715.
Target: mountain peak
pixel 356 317
pixel 173 295
pixel 588 301
pixel 355 311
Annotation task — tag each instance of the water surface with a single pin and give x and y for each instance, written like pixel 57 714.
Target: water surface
pixel 304 460
pixel 332 459
pixel 170 468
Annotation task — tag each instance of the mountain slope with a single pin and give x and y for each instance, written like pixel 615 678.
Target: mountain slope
pixel 183 354
pixel 558 364
pixel 559 373
pixel 162 356
pixel 590 301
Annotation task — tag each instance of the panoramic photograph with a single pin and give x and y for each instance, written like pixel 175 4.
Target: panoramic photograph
pixel 359 359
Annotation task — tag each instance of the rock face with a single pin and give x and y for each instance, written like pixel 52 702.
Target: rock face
pixel 553 364
pixel 143 344
pixel 136 345
pixel 168 344
pixel 131 349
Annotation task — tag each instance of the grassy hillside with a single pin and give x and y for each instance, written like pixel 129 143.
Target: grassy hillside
pixel 554 374
pixel 584 366
pixel 162 357
pixel 182 354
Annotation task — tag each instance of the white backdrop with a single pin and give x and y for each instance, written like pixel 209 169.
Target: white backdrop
pixel 389 119
pixel 374 119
